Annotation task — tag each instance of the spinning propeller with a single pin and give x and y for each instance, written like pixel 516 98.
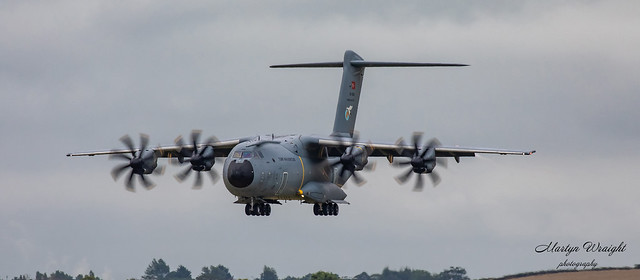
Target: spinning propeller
pixel 354 156
pixel 201 159
pixel 141 162
pixel 423 161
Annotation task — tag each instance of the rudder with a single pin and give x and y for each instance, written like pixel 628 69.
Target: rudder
pixel 349 97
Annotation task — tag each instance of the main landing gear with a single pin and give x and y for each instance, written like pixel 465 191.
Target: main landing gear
pixel 326 209
pixel 258 209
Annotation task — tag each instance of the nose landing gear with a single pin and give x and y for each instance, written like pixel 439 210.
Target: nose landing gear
pixel 258 209
pixel 326 209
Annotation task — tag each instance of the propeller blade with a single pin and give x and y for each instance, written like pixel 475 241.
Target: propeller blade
pixel 355 136
pixel 180 158
pixel 117 171
pixel 202 151
pixel 401 162
pixel 402 178
pixel 126 140
pixel 371 166
pixel 147 183
pixel 434 142
pixel 179 142
pixel 175 161
pixel 442 162
pixel 129 183
pixel 120 156
pixel 419 184
pixel 354 140
pixel 214 176
pixel 435 178
pixel 183 175
pixel 400 144
pixel 212 140
pixel 417 136
pixel 369 147
pixel 195 136
pixel 144 141
pixel 198 183
pixel 358 180
pixel 425 149
pixel 159 170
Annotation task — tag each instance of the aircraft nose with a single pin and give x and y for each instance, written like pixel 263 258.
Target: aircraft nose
pixel 240 174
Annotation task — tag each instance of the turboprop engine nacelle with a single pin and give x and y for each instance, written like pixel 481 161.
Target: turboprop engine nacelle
pixel 146 163
pixel 360 157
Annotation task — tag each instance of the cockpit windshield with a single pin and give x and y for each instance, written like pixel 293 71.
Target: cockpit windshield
pixel 240 154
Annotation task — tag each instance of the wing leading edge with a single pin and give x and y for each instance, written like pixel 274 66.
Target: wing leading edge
pixel 221 149
pixel 397 150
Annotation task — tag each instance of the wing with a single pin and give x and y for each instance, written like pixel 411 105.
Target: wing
pixel 221 149
pixel 335 147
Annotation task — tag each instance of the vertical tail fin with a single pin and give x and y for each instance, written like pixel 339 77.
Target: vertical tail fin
pixel 352 74
pixel 349 98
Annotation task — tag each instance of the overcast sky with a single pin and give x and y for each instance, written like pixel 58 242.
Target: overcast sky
pixel 560 77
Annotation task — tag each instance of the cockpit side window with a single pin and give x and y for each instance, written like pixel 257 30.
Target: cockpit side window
pixel 237 154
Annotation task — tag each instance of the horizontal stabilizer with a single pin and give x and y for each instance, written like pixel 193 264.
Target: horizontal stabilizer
pixel 310 65
pixel 362 63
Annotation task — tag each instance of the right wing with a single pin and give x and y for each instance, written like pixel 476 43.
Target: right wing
pixel 221 149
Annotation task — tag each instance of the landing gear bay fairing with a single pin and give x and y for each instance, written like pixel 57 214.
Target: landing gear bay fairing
pixel 264 170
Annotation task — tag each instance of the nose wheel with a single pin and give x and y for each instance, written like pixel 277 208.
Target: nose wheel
pixel 258 209
pixel 326 209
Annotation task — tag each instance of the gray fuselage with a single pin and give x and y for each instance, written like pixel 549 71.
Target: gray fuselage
pixel 274 168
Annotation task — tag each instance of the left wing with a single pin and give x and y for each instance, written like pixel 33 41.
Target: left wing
pixel 336 146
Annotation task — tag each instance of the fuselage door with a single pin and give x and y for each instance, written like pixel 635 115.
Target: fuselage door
pixel 285 176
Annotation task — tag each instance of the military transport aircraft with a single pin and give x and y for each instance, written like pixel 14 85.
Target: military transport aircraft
pixel 262 170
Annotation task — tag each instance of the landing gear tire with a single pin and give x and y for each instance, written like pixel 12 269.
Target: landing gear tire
pixel 326 209
pixel 267 209
pixel 258 209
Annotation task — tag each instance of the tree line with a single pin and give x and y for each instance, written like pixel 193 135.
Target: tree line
pixel 158 269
